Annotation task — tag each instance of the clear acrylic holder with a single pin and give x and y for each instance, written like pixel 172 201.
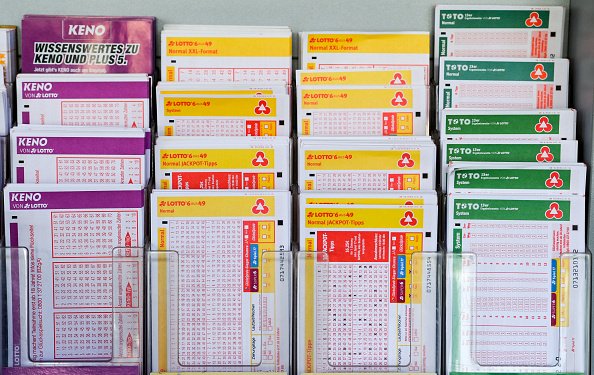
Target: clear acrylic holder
pixel 512 319
pixel 402 310
pixel 195 325
pixel 118 278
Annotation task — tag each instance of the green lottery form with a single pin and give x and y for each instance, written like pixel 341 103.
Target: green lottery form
pixel 503 83
pixel 518 177
pixel 498 31
pixel 536 124
pixel 517 292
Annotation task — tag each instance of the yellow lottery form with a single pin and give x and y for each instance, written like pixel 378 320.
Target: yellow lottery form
pixel 220 281
pixel 367 287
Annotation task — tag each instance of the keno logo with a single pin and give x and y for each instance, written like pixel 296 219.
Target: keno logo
pixel 31 141
pixel 37 86
pixel 82 30
pixel 25 197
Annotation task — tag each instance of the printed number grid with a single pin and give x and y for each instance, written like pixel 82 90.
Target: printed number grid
pixel 79 285
pixel 210 291
pixel 98 170
pixel 92 234
pixel 234 75
pixel 125 114
pixel 347 123
pixel 509 316
pixel 481 96
pixel 83 335
pixel 351 181
pixel 209 127
pixel 514 44
pixel 358 315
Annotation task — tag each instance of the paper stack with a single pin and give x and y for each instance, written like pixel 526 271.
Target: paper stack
pixel 367 261
pixel 75 218
pixel 515 192
pixel 221 281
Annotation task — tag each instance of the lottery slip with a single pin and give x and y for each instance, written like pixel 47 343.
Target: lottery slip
pixel 78 155
pixel 237 54
pixel 63 305
pixel 88 45
pixel 468 123
pixel 223 115
pixel 420 197
pixel 366 164
pixel 197 88
pixel 498 31
pixel 4 163
pixel 8 53
pixel 364 50
pixel 364 282
pixel 229 263
pixel 527 178
pixel 223 163
pixel 506 150
pixel 412 76
pixel 362 110
pixel 518 290
pixel 113 100
pixel 498 83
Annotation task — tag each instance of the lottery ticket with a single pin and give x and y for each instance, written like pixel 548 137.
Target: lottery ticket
pixel 468 123
pixel 412 76
pixel 419 197
pixel 197 88
pixel 498 83
pixel 223 163
pixel 84 44
pixel 498 31
pixel 78 155
pixel 506 150
pixel 517 177
pixel 223 115
pixel 236 54
pixel 517 262
pixel 362 110
pixel 360 262
pixel 71 295
pixel 366 164
pixel 8 53
pixel 364 50
pixel 114 100
pixel 225 303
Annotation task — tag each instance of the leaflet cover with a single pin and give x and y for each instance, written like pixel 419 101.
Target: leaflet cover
pixel 362 110
pixel 225 303
pixel 75 155
pixel 62 289
pixel 223 163
pixel 237 54
pixel 498 31
pixel 87 45
pixel 113 100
